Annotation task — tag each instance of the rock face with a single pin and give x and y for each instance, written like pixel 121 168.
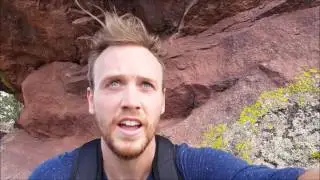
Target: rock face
pixel 20 153
pixel 35 33
pixel 198 66
pixel 221 55
pixel 210 63
pixel 55 105
pixel 281 128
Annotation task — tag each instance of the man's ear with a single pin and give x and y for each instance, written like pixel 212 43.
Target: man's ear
pixel 90 100
pixel 163 105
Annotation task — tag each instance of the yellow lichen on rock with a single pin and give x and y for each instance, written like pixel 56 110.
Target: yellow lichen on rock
pixel 214 137
pixel 315 155
pixel 240 137
pixel 243 148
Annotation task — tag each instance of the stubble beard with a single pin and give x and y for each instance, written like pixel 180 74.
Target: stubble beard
pixel 127 153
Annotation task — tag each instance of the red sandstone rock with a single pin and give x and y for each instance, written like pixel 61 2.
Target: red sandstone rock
pixel 34 33
pixel 55 103
pixel 206 64
pixel 21 153
pixel 198 68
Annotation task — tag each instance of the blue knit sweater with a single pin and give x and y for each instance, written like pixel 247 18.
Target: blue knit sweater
pixel 193 163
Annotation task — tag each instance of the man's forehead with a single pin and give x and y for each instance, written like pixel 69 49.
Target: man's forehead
pixel 128 61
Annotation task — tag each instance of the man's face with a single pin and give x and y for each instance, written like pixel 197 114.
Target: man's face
pixel 128 98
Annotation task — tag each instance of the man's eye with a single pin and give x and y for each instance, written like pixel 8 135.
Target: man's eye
pixel 147 85
pixel 114 84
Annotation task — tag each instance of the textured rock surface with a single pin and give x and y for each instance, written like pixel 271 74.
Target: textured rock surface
pixel 20 153
pixel 296 135
pixel 235 66
pixel 55 103
pixel 34 33
pixel 198 67
pixel 244 47
pixel 282 128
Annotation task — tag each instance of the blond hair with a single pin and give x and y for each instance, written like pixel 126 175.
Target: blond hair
pixel 119 30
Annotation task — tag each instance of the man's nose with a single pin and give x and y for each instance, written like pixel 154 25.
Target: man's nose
pixel 130 99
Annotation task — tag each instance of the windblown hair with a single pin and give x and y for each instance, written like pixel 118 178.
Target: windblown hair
pixel 119 30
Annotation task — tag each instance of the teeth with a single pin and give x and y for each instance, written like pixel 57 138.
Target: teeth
pixel 130 123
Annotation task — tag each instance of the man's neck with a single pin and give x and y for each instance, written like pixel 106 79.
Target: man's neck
pixel 119 169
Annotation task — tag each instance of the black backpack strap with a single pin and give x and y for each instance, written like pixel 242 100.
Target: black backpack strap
pixel 164 163
pixel 88 163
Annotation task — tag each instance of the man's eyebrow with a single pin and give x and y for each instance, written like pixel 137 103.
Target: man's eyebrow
pixel 113 76
pixel 119 76
pixel 146 79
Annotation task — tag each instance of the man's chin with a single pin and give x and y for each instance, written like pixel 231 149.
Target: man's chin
pixel 128 150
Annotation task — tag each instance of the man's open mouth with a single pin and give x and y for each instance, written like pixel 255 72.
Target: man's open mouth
pixel 130 124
